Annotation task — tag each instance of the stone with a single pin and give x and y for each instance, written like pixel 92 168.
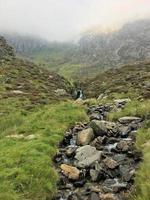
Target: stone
pixel 99 127
pixel 61 92
pixel 70 151
pixel 16 136
pixel 96 116
pixel 71 172
pixel 123 146
pixel 128 119
pixel 85 137
pixel 110 163
pixel 31 137
pixel 99 142
pixel 93 196
pixel 86 156
pixel 108 196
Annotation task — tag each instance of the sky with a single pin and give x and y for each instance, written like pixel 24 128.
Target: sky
pixel 66 19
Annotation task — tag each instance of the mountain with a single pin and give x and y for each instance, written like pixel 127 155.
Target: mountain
pixel 127 81
pixel 22 78
pixel 35 111
pixel 94 52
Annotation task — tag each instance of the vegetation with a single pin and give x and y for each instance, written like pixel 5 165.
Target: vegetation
pixel 26 164
pixel 142 179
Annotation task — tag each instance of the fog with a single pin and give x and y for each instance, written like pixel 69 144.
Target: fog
pixel 65 19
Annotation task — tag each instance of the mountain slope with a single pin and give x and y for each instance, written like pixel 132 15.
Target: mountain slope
pixel 127 81
pixel 92 53
pixel 33 118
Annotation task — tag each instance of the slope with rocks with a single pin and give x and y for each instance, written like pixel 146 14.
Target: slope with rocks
pixel 92 53
pixel 127 81
pixel 35 110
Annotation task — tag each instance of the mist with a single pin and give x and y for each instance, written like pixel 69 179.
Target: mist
pixel 63 20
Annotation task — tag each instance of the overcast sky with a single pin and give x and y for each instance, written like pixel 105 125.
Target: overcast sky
pixel 65 19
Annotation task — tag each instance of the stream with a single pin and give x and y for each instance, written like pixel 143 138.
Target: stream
pixel 97 160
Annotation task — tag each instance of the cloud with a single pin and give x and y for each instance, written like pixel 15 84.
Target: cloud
pixel 64 19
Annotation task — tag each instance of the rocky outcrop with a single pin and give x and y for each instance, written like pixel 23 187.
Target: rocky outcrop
pixel 98 159
pixel 6 51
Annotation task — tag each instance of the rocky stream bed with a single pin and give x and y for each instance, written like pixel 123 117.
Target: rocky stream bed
pixel 97 160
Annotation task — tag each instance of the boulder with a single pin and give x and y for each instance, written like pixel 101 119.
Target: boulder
pixel 85 137
pixel 123 146
pixel 128 119
pixel 99 127
pixel 86 156
pixel 70 171
pixel 110 163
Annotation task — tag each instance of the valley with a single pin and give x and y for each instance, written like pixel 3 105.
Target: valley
pixel 49 132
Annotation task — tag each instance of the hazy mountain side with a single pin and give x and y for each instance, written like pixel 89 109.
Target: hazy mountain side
pixel 93 53
pixel 127 80
pixel 23 79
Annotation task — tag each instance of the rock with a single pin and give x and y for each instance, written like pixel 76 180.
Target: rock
pixel 86 156
pixel 113 185
pixel 85 136
pixel 16 136
pixel 17 92
pixel 96 116
pixel 123 146
pixel 128 119
pixel 126 172
pixel 99 142
pixel 31 137
pixel 108 196
pixel 110 163
pixel 70 151
pixel 61 92
pixel 99 127
pixel 121 102
pixel 70 171
pixel 93 196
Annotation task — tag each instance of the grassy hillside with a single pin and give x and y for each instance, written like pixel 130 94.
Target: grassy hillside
pixel 35 111
pixel 128 81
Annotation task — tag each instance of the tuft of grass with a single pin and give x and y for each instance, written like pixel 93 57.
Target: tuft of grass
pixel 26 167
pixel 133 108
pixel 142 179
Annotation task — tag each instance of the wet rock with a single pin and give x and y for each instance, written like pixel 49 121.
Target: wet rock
pixel 110 163
pixel 85 136
pixel 128 119
pixel 70 171
pixel 96 116
pixel 79 183
pixel 99 142
pixel 126 172
pixel 114 185
pixel 123 146
pixel 125 130
pixel 86 156
pixel 70 151
pixel 93 196
pixel 99 127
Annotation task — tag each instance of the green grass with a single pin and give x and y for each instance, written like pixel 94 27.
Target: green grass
pixel 142 179
pixel 26 168
pixel 133 108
